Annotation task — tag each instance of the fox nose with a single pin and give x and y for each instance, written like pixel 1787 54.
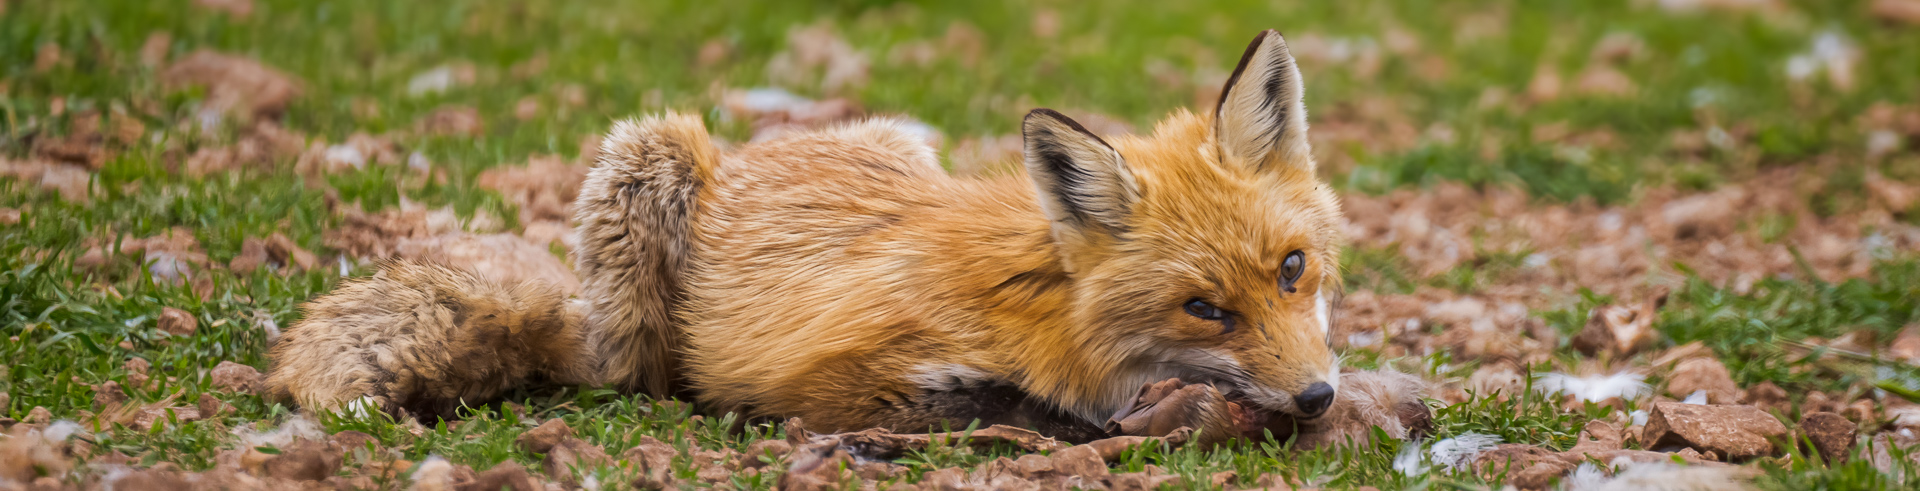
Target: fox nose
pixel 1314 400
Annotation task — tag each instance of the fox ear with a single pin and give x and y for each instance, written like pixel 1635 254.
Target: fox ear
pixel 1261 119
pixel 1083 184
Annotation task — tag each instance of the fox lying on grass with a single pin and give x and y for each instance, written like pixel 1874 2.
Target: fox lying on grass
pixel 842 277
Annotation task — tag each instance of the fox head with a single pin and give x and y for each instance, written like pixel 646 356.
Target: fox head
pixel 1208 251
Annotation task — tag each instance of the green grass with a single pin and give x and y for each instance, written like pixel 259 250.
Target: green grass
pixel 64 325
pixel 1753 330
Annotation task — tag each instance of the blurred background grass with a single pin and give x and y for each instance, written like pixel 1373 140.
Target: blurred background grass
pixel 1459 73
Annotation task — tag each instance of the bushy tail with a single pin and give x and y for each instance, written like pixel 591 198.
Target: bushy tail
pixel 424 338
pixel 635 220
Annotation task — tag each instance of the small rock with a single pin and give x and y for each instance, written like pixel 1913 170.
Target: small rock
pixel 1766 395
pixel 1703 214
pixel 945 479
pixel 1817 401
pixel 1688 455
pixel 874 470
pixel 543 438
pixel 285 251
pixel 136 372
pixel 1223 478
pixel 238 86
pixel 768 449
pixel 345 441
pixel 1861 411
pixel 152 479
pixel 1703 374
pixel 1033 465
pixel 572 455
pixel 38 416
pixel 507 475
pixel 710 466
pixel 1599 436
pixel 304 460
pixel 1906 345
pixel 212 407
pixel 1539 475
pixel 1141 481
pixel 253 254
pixel 1832 434
pixel 1620 330
pixel 452 120
pixel 1670 356
pixel 1736 433
pixel 1079 460
pixel 654 461
pixel 1274 481
pixel 1511 457
pixel 1691 454
pixel 157 415
pixel 177 322
pixel 235 377
pixel 819 467
pixel 107 394
pixel 1501 378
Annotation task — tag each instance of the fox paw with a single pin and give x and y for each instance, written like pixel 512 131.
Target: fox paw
pixel 1161 408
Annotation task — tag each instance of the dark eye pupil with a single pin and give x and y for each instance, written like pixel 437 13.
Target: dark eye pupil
pixel 1291 268
pixel 1204 310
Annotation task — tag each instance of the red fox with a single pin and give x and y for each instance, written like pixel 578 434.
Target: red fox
pixel 841 277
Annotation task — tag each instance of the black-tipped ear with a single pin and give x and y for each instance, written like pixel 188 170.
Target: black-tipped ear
pixel 1083 184
pixel 1261 119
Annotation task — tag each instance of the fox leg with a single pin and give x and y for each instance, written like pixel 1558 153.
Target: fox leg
pixel 989 403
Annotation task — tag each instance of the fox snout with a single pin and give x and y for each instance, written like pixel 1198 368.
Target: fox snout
pixel 1305 400
pixel 1301 395
pixel 1314 401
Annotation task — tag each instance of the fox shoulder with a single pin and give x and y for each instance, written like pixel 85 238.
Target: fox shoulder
pixel 423 338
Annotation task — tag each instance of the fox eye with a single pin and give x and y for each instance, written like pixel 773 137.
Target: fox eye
pixel 1202 309
pixel 1291 268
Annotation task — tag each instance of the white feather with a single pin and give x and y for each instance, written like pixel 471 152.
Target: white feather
pixel 1594 388
pixel 300 427
pixel 435 474
pixel 1458 452
pixel 361 408
pixel 1697 398
pixel 1411 461
pixel 60 430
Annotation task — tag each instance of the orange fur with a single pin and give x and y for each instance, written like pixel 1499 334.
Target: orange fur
pixel 832 268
